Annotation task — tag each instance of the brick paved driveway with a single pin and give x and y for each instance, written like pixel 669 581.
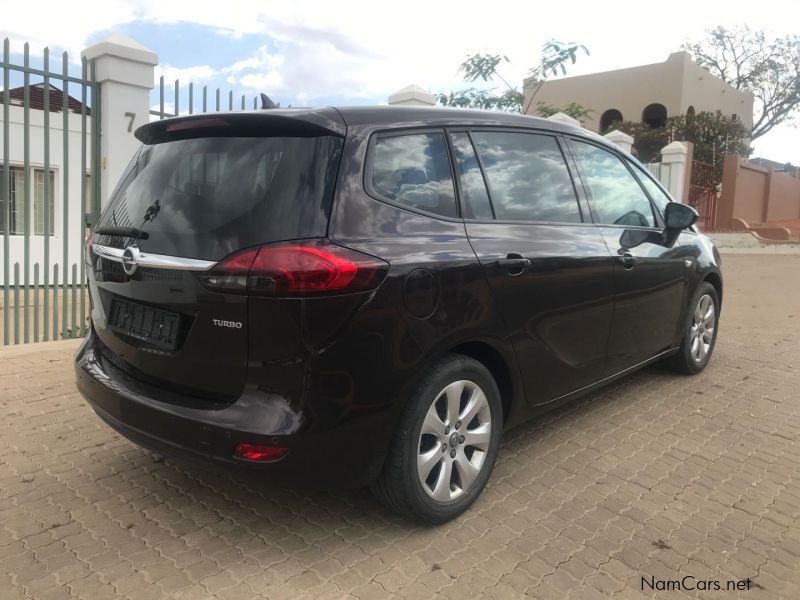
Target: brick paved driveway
pixel 657 476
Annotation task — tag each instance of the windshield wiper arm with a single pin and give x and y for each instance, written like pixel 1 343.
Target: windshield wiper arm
pixel 130 232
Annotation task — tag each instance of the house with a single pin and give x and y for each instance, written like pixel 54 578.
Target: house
pixel 15 206
pixel 776 166
pixel 647 93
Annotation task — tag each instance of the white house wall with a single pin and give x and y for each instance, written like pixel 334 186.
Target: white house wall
pixel 74 214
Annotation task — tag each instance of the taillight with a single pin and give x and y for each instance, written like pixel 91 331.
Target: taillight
pixel 296 269
pixel 260 453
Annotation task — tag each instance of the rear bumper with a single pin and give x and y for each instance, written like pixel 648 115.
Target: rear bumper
pixel 335 453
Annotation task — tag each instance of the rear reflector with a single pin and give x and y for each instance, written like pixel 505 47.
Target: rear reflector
pixel 260 453
pixel 296 269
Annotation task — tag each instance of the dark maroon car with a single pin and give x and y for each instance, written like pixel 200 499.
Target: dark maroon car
pixel 371 296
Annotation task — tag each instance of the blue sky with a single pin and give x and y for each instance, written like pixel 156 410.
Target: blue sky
pixel 308 52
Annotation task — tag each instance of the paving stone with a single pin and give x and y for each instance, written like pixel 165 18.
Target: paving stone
pixel 658 475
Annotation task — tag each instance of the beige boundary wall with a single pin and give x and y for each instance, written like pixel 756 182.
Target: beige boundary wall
pixel 756 194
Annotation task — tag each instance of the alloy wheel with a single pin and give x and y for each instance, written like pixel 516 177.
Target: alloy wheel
pixel 701 334
pixel 454 441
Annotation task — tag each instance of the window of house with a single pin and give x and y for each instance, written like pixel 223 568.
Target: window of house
pixel 473 187
pixel 40 204
pixel 617 198
pixel 527 177
pixel 414 170
pixel 14 205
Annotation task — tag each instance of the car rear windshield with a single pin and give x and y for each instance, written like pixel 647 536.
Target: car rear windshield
pixel 207 197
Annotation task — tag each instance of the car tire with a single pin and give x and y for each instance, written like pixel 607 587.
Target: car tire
pixel 699 332
pixel 441 457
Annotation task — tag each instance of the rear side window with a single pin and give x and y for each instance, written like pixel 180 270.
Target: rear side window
pixel 473 188
pixel 414 170
pixel 216 195
pixel 617 198
pixel 527 177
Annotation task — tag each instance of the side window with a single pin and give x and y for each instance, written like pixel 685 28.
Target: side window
pixel 473 187
pixel 659 196
pixel 527 177
pixel 414 170
pixel 617 198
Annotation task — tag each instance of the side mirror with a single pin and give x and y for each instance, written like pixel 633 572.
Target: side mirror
pixel 679 216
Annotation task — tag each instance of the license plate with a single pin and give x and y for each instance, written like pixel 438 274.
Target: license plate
pixel 152 325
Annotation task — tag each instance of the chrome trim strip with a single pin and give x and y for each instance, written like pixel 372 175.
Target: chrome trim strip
pixel 155 261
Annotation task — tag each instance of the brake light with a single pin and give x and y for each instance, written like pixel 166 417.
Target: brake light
pixel 197 124
pixel 296 269
pixel 260 453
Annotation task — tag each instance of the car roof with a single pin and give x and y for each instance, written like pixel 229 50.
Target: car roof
pixel 444 115
pixel 336 120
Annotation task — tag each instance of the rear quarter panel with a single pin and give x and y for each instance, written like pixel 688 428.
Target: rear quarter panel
pixel 384 349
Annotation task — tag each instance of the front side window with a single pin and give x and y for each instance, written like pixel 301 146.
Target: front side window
pixel 527 177
pixel 414 170
pixel 658 195
pixel 617 198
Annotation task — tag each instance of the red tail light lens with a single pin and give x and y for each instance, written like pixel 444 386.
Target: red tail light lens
pixel 260 453
pixel 297 269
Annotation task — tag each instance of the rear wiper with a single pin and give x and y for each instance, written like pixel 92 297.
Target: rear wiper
pixel 129 232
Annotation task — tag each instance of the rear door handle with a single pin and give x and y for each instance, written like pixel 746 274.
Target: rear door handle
pixel 513 264
pixel 627 260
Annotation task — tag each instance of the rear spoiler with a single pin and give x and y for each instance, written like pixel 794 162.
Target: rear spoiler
pixel 275 122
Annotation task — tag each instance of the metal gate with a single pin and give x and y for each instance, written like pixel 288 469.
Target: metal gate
pixel 49 195
pixel 703 194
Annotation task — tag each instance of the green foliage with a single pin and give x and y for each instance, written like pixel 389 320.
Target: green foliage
pixel 74 331
pixel 713 134
pixel 481 66
pixel 484 67
pixel 554 58
pixel 749 60
pixel 573 109
pixel 508 101
pixel 647 142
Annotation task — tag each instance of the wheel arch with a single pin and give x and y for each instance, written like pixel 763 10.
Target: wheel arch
pixel 498 366
pixel 715 280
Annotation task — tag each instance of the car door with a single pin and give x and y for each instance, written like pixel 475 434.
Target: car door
pixel 649 274
pixel 548 267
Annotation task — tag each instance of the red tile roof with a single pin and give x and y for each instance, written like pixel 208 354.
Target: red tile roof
pixel 36 98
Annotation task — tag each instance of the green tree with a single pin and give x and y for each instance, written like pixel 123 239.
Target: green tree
pixel 713 134
pixel 769 68
pixel 573 109
pixel 484 67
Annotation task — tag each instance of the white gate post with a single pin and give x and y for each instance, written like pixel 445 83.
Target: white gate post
pixel 561 117
pixel 412 95
pixel 124 69
pixel 675 157
pixel 621 139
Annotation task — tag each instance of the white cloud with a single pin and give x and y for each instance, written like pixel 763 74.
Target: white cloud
pixel 197 74
pixel 240 65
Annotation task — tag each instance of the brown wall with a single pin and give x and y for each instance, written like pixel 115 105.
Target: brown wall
pixel 756 194
pixel 784 197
